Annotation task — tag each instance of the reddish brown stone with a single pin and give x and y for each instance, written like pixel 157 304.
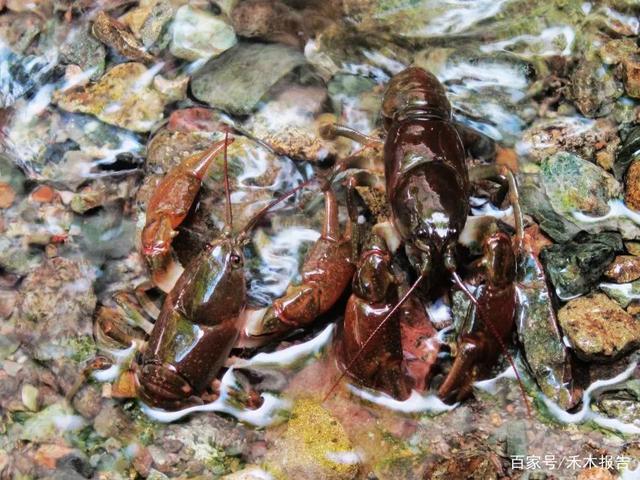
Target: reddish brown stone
pixel 632 77
pixel 7 195
pixel 624 269
pixel 632 186
pixel 43 194
pixel 598 328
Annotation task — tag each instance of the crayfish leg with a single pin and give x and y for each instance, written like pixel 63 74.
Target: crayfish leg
pixel 420 344
pixel 471 356
pixel 378 363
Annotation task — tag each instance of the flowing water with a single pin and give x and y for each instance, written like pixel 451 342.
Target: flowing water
pixel 91 121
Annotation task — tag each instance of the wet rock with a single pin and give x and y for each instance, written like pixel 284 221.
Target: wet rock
pixel 632 186
pixel 203 443
pixel 49 424
pixel 11 175
pixel 312 446
pixel 82 49
pixel 631 77
pixel 71 171
pixel 595 473
pixel 17 258
pixel 44 194
pixel 174 89
pixel 356 99
pixel 287 123
pixel 53 319
pixel 575 185
pixel 581 196
pixel 107 234
pixel 593 89
pixel 100 140
pixel 21 75
pixel 536 203
pixel 538 330
pixel 575 267
pixel 470 467
pixel 48 455
pixel 156 475
pixel 149 19
pixel 249 473
pixel 238 79
pixel 623 402
pixel 122 97
pixel 624 268
pixel 616 50
pixel 30 397
pixel 633 248
pixel 8 300
pixel 598 328
pixel 195 119
pixel 198 34
pixel 269 20
pixel 135 18
pixel 629 152
pixel 625 294
pixel 7 195
pixel 115 34
pixel 88 401
pixel 587 138
pixel 18 31
pixel 111 422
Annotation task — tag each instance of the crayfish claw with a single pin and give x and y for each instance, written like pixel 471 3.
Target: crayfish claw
pixel 161 387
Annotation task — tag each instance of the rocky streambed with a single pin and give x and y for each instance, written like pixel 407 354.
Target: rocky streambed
pixel 100 98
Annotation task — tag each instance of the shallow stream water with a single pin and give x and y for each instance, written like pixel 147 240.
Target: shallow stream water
pixel 101 98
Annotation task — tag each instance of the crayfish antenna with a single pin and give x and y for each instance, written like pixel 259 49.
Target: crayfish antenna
pixel 494 332
pixel 372 336
pixel 227 189
pixel 264 210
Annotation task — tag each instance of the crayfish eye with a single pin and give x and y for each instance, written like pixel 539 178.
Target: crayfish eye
pixel 236 261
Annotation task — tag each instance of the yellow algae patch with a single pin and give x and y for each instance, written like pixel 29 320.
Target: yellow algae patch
pixel 123 97
pixel 314 445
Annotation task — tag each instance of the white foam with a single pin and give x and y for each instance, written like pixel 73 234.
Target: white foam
pixel 385 62
pixel 631 21
pixel 625 289
pixel 344 458
pixel 485 74
pixel 121 360
pixel 416 403
pixel 268 412
pixel 586 413
pixel 489 210
pixel 108 375
pixel 290 355
pixel 439 312
pixel 491 385
pixel 459 16
pixel 280 261
pixel 617 209
pixel 67 423
pixel 548 38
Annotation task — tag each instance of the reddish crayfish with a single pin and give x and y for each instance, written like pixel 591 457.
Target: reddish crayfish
pixel 387 341
pixel 428 189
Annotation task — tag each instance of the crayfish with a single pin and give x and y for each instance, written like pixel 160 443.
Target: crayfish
pixel 387 341
pixel 427 188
